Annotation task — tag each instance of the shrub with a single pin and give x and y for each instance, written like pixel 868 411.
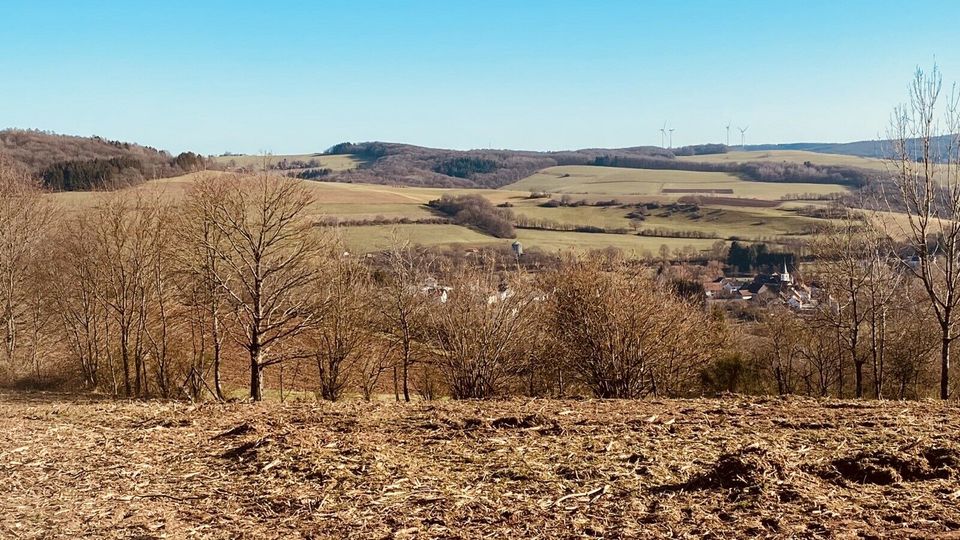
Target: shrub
pixel 626 335
pixel 475 211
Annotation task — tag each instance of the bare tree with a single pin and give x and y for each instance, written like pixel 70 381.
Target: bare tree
pixel 404 306
pixel 344 335
pixel 479 332
pixel 77 282
pixel 925 173
pixel 123 232
pixel 369 367
pixel 266 249
pixel 779 348
pixel 846 265
pixel 200 241
pixel 912 337
pixel 25 220
pixel 817 349
pixel 161 312
pixel 625 335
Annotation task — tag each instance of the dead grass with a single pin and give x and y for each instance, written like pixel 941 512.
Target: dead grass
pixel 724 468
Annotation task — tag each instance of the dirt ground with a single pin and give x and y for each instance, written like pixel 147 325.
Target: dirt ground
pixel 724 468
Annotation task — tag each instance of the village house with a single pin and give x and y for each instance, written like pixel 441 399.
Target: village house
pixel 432 288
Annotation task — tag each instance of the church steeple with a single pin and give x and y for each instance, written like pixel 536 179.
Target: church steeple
pixel 785 276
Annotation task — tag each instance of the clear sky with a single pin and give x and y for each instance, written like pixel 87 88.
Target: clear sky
pixel 291 77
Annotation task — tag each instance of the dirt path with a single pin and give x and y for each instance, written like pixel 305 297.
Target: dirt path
pixel 513 469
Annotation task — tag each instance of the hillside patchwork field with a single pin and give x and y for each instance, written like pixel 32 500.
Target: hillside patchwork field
pixel 654 182
pixel 725 206
pixel 736 467
pixel 792 156
pixel 752 212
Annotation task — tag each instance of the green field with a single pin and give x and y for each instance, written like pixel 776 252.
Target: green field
pixel 613 181
pixel 637 246
pixel 606 217
pixel 378 237
pixel 746 223
pixel 794 156
pixel 724 221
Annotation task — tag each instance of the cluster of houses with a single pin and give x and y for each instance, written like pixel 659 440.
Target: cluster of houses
pixel 764 288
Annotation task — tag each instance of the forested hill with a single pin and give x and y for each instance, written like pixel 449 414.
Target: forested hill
pixel 415 165
pixel 391 163
pixel 66 162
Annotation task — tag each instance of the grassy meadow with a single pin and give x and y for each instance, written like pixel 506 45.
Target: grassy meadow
pixel 793 156
pixel 613 181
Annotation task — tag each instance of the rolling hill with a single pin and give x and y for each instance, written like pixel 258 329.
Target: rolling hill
pixel 642 200
pixel 67 162
pixel 879 149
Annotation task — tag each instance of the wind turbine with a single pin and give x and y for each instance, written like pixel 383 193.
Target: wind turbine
pixel 671 137
pixel 728 133
pixel 742 137
pixel 663 135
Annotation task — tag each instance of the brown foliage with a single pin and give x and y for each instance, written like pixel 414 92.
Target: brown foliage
pixel 626 335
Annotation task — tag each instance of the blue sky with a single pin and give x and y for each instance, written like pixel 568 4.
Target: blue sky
pixel 291 77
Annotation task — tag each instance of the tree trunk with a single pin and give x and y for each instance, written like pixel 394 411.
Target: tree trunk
pixel 217 387
pixel 945 364
pixel 875 354
pixel 125 356
pixel 839 365
pixel 256 375
pixel 882 354
pixel 396 384
pixel 406 378
pixel 858 374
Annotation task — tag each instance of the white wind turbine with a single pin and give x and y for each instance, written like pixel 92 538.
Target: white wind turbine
pixel 743 138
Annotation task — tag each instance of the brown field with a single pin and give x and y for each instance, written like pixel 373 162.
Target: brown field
pixel 723 191
pixel 726 468
pixel 735 201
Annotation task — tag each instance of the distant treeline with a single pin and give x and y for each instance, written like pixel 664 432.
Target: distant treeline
pixel 80 175
pixel 465 167
pixel 286 164
pixel 745 257
pixel 700 150
pixel 312 174
pixel 381 220
pixel 526 222
pixel 367 150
